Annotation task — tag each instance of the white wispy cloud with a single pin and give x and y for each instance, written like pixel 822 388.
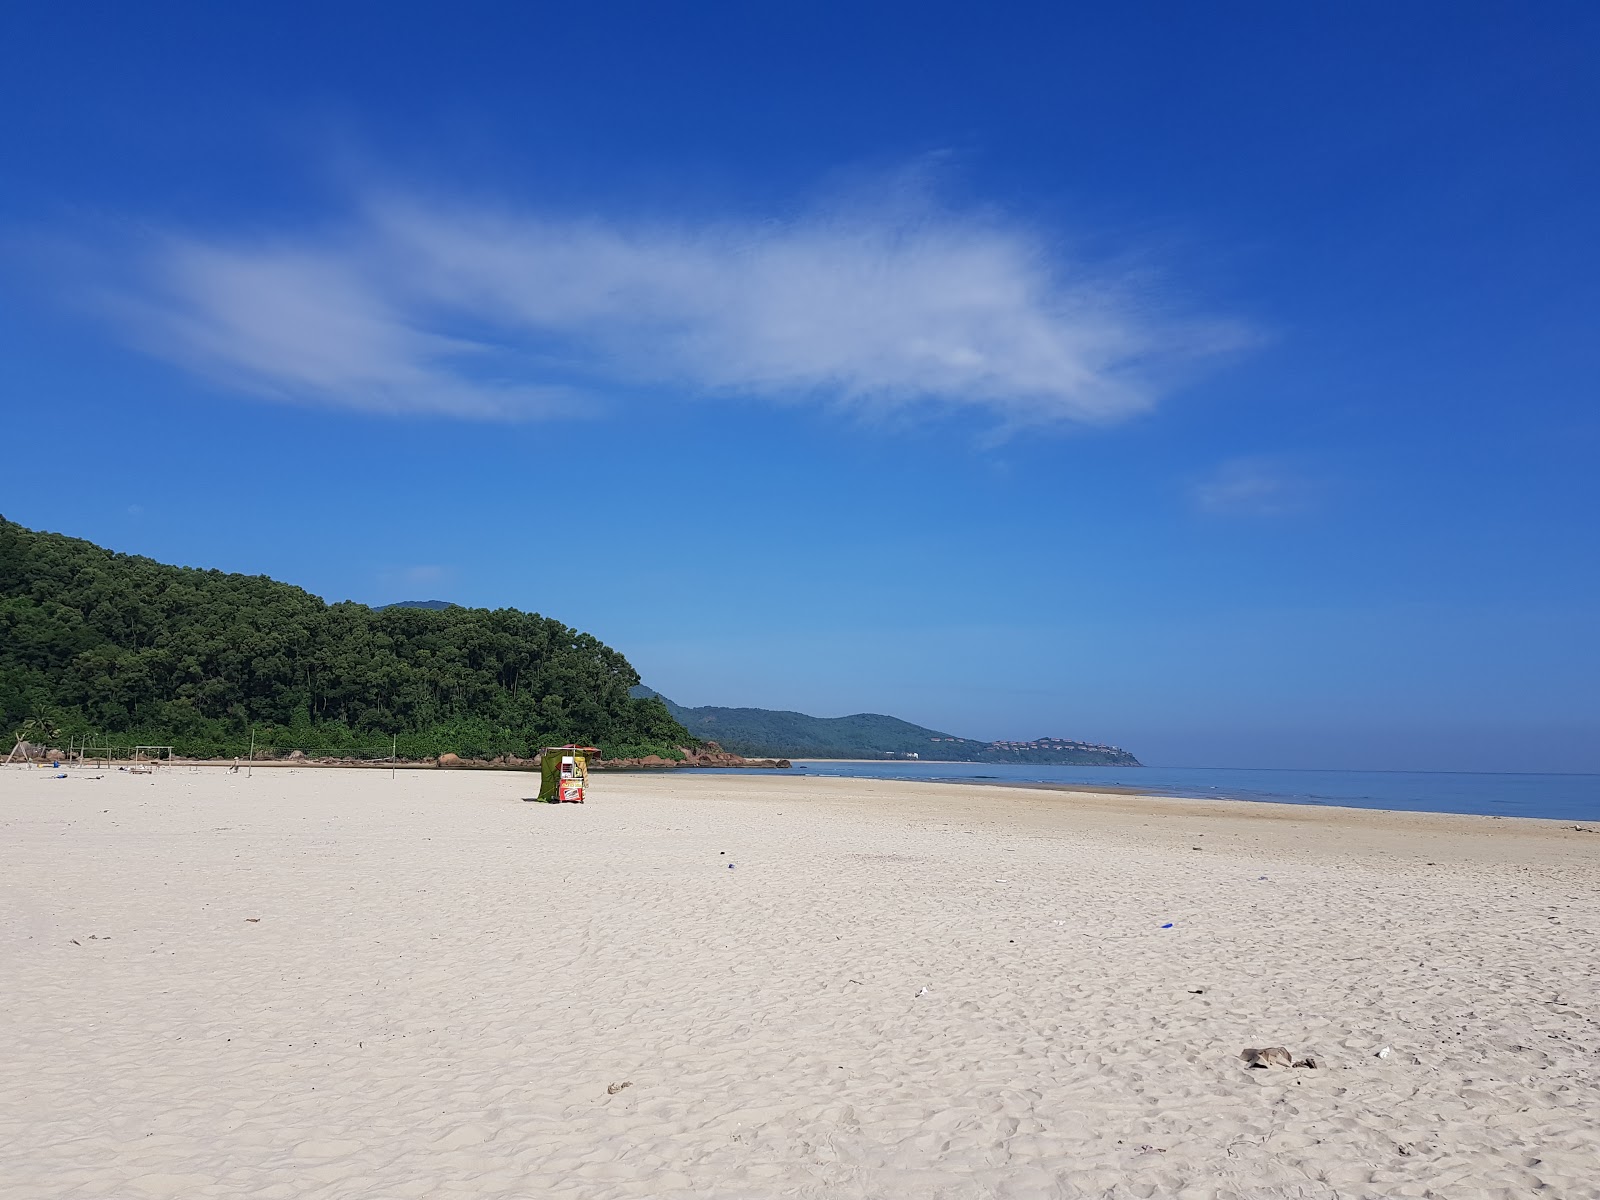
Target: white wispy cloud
pixel 308 324
pixel 413 307
pixel 1253 486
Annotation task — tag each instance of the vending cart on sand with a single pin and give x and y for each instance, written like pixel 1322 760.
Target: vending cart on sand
pixel 564 773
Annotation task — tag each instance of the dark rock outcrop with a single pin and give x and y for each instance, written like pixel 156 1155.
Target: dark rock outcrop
pixel 708 755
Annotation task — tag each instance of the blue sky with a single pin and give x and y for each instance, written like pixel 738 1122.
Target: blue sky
pixel 1219 381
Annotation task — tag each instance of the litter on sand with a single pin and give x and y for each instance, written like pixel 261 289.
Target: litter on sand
pixel 1168 925
pixel 1269 1056
pixel 1276 1056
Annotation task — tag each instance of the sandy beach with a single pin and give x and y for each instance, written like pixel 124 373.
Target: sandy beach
pixel 325 983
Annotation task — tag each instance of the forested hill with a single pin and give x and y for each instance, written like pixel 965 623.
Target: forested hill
pixel 765 732
pixel 130 650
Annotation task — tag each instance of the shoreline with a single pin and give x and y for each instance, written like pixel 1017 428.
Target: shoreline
pixel 1093 795
pixel 1522 795
pixel 1128 809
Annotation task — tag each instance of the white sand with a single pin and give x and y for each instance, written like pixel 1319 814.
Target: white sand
pixel 443 982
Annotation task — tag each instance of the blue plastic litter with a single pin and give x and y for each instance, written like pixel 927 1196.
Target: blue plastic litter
pixel 730 866
pixel 1168 925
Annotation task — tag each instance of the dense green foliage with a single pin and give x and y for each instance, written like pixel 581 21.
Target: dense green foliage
pixel 773 733
pixel 128 650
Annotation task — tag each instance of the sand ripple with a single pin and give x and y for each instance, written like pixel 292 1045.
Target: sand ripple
pixel 443 983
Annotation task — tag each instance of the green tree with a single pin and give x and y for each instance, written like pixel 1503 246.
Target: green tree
pixel 125 647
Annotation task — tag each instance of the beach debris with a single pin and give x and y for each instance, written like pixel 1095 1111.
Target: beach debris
pixel 253 920
pixel 1310 1061
pixel 730 866
pixel 1197 991
pixel 613 1089
pixel 1268 1056
pixel 923 992
pixel 1385 1052
pixel 75 941
pixel 1168 925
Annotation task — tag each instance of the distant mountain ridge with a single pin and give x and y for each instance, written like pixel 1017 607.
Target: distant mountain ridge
pixel 775 733
pixel 430 605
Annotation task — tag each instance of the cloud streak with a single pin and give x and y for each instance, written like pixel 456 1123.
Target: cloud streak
pixel 412 307
pixel 1253 487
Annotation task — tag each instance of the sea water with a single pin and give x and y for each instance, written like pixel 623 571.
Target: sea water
pixel 1559 797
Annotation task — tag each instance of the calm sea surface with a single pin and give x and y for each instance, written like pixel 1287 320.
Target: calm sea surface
pixel 1561 797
